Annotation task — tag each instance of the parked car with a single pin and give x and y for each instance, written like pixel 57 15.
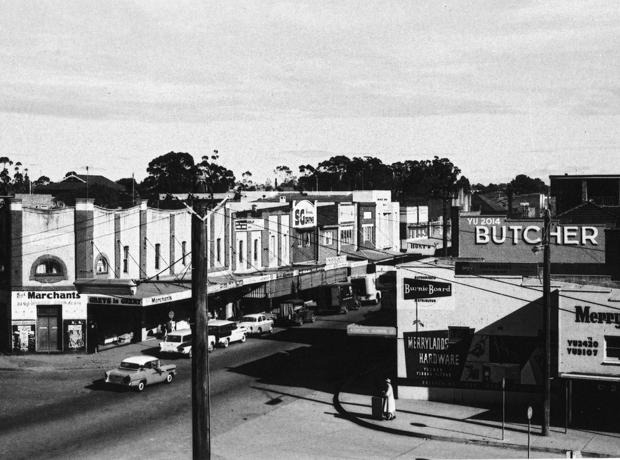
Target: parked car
pixel 295 311
pixel 226 331
pixel 256 323
pixel 139 371
pixel 180 341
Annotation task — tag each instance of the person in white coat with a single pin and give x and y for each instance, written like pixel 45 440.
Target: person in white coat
pixel 389 405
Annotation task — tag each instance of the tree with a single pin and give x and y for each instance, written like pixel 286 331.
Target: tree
pixel 285 177
pixel 246 182
pixel 219 179
pixel 132 193
pixel 170 173
pixel 523 184
pixel 19 182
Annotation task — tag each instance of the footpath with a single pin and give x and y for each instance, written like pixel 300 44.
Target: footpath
pixel 464 424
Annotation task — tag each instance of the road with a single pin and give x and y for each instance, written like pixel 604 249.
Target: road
pixel 70 414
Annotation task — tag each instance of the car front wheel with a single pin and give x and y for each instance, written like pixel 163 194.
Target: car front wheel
pixel 300 321
pixel 225 343
pixel 313 319
pixel 271 329
pixel 243 338
pixel 169 378
pixel 141 386
pixel 210 348
pixel 260 330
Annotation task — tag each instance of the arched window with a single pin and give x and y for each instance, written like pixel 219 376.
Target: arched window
pixel 48 269
pixel 102 267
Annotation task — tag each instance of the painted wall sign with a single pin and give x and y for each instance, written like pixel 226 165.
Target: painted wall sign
pixel 346 213
pixel 584 315
pixel 304 214
pixel 498 239
pixel 419 288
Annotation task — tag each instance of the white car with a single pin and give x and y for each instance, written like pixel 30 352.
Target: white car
pixel 226 331
pixel 256 323
pixel 180 341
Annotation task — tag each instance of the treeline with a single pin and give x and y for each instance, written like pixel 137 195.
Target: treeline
pixel 175 172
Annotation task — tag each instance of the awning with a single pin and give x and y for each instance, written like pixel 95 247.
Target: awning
pixel 146 294
pixel 601 378
pixel 376 256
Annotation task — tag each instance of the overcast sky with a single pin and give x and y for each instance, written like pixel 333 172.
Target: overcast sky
pixel 499 87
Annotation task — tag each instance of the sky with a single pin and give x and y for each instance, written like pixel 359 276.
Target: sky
pixel 499 88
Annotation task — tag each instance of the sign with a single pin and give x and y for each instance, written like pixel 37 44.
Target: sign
pixel 529 413
pixel 346 213
pixel 377 331
pixel 335 260
pixel 249 225
pixel 304 214
pixel 495 269
pixel 425 289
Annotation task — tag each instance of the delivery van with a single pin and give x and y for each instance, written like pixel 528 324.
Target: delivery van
pixel 364 286
pixel 337 298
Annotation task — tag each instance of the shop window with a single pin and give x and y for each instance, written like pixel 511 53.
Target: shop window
pixel 612 349
pixel 48 269
pixel 328 238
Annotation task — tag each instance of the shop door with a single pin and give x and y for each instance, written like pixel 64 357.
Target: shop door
pixel 48 321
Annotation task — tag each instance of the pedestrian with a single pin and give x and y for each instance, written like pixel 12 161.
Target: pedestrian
pixel 389 405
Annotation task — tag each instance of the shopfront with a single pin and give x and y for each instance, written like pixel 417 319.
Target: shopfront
pixel 48 321
pixel 589 352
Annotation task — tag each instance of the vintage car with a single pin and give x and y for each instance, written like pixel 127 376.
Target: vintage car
pixel 256 323
pixel 226 331
pixel 180 341
pixel 295 311
pixel 139 371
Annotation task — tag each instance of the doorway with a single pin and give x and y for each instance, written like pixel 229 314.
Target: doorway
pixel 48 332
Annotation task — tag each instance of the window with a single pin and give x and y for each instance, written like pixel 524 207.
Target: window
pixel 255 250
pixel 157 255
pixel 184 252
pixel 101 267
pixel 328 237
pixel 240 251
pixel 307 239
pixel 368 232
pixel 126 259
pixel 612 349
pixel 218 249
pixel 48 269
pixel 346 235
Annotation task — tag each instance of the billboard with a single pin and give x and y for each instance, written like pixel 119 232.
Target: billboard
pixel 304 214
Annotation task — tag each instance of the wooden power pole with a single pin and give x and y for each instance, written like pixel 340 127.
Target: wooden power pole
pixel 201 417
pixel 547 324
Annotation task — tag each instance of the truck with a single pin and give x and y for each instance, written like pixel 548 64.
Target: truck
pixel 365 287
pixel 337 298
pixel 294 311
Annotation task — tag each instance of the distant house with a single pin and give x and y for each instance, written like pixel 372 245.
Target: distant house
pixel 485 205
pixel 76 182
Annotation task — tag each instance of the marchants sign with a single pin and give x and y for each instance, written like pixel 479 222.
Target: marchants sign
pixel 532 234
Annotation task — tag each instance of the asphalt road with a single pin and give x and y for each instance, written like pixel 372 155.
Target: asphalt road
pixel 71 414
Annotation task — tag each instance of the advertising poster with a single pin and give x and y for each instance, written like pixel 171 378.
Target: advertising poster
pixel 23 336
pixel 75 335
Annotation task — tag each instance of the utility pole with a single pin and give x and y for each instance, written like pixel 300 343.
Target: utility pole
pixel 547 324
pixel 201 417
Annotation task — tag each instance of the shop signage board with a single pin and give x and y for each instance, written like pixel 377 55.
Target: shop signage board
pixel 304 214
pixel 496 269
pixel 249 225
